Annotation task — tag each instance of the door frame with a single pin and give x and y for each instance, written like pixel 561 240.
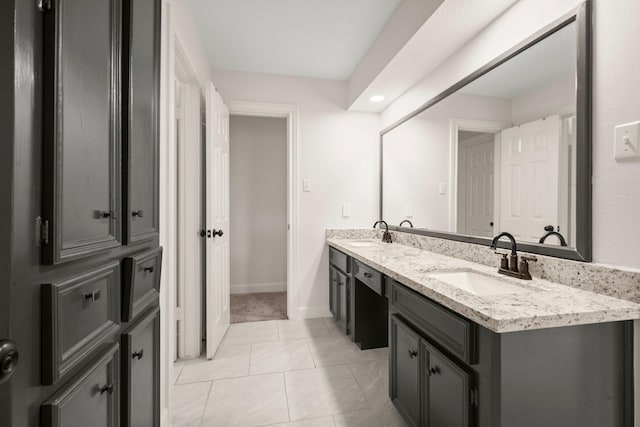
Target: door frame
pixel 171 51
pixel 290 113
pixel 456 125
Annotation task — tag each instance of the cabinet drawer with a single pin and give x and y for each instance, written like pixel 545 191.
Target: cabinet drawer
pixel 140 282
pixel 339 260
pixel 78 314
pixel 367 275
pixel 89 399
pixel 451 331
pixel 141 372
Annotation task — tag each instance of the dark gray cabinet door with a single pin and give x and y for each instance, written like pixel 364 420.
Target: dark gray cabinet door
pixel 140 119
pixel 446 390
pixel 343 300
pixel 404 388
pixel 141 372
pixel 81 147
pixel 333 291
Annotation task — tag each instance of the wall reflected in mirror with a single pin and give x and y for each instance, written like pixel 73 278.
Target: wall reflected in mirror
pixel 497 155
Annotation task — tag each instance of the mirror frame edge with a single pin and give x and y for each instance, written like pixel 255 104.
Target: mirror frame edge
pixel 581 14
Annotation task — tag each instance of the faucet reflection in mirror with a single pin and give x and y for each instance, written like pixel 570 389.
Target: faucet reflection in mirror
pixel 386 236
pixel 407 221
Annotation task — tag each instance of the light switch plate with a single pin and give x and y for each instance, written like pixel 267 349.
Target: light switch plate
pixel 627 141
pixel 442 188
pixel 346 210
pixel 306 185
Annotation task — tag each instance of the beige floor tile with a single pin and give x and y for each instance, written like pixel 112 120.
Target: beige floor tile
pixel 248 401
pixel 251 332
pixel 229 362
pixel 373 378
pixel 314 422
pixel 306 328
pixel 333 327
pixel 188 403
pixel 340 350
pixel 176 372
pixel 280 356
pixel 323 391
pixel 382 416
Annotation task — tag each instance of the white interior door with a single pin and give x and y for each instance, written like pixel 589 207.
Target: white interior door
pixel 530 156
pixel 476 186
pixel 217 221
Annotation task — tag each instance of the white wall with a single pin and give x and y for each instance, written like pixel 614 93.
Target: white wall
pixel 616 91
pixel 417 159
pixel 258 203
pixel 338 152
pixel 557 97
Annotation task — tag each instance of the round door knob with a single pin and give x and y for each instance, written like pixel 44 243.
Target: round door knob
pixel 8 359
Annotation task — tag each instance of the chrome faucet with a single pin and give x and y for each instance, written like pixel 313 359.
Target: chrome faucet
pixel 551 232
pixel 406 220
pixel 386 236
pixel 510 267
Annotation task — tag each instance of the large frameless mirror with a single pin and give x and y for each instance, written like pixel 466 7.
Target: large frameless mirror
pixel 506 149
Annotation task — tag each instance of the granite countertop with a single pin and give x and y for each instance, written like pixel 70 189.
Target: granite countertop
pixel 544 304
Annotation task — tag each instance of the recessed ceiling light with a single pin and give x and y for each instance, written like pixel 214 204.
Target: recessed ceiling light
pixel 376 98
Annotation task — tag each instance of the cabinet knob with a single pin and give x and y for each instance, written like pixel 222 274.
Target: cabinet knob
pixel 138 354
pixel 8 359
pixel 148 269
pixel 412 353
pixel 138 213
pixel 368 275
pixel 108 388
pixel 102 214
pixel 434 371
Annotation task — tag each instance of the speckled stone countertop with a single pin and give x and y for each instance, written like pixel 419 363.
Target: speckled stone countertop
pixel 544 305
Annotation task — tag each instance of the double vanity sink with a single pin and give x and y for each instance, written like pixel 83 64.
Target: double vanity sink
pixel 471 347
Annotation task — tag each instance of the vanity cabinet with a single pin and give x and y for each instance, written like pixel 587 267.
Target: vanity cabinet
pixel 340 288
pixel 427 387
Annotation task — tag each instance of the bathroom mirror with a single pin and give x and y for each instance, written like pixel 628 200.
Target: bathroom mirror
pixel 506 149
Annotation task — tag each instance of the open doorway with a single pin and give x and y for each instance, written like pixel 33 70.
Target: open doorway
pixel 258 209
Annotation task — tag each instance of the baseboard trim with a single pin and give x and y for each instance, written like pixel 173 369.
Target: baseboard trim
pixel 258 287
pixel 313 312
pixel 164 419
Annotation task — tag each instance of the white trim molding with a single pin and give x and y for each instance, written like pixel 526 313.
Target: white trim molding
pixel 251 288
pixel 290 112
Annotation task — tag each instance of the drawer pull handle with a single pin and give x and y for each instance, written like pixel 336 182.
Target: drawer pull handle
pixel 108 388
pixel 434 371
pixel 412 353
pixel 138 213
pixel 92 296
pixel 148 269
pixel 138 354
pixel 368 275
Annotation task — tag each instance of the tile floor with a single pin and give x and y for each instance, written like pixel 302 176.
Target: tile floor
pixel 296 373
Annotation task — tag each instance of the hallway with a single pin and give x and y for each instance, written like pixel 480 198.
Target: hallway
pixel 285 373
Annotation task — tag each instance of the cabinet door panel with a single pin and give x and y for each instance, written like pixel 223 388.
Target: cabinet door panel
pixel 81 184
pixel 333 292
pixel 448 388
pixel 405 371
pixel 342 300
pixel 140 112
pixel 141 372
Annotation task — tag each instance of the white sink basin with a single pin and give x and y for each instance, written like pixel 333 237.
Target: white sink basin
pixel 361 244
pixel 478 284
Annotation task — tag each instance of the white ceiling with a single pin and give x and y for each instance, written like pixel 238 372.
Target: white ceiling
pixel 310 38
pixel 549 60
